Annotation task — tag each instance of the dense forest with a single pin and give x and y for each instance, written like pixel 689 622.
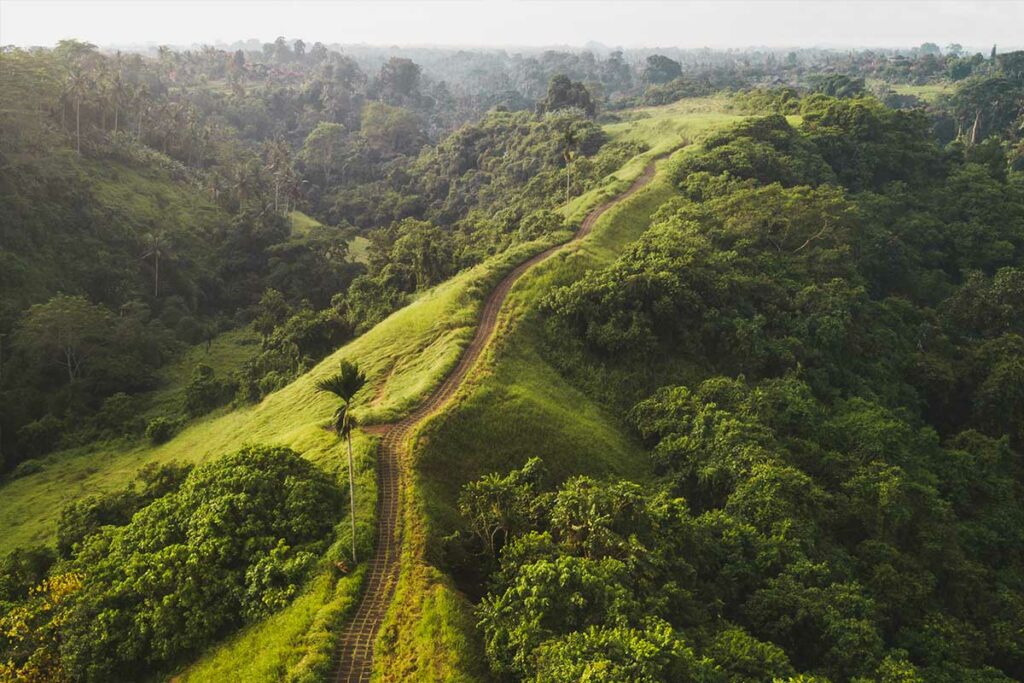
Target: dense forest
pixel 840 463
pixel 818 340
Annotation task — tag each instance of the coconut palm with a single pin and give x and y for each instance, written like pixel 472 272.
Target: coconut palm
pixel 78 86
pixel 570 150
pixel 345 385
pixel 157 248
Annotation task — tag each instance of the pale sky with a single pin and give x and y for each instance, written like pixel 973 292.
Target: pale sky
pixel 644 23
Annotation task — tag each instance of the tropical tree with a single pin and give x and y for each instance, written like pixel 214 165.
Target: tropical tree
pixel 157 248
pixel 323 147
pixel 78 88
pixel 279 165
pixel 345 385
pixel 661 69
pixel 118 89
pixel 570 150
pixel 66 330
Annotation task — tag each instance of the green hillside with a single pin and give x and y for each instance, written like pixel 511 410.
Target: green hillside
pixel 518 406
pixel 695 366
pixel 404 357
pixel 413 360
pixel 76 217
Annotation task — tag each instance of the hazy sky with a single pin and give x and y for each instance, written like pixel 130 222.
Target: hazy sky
pixel 505 22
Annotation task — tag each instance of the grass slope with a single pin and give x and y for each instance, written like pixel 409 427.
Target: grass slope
pixel 929 92
pixel 68 219
pixel 357 246
pixel 358 249
pixel 517 406
pixel 405 357
pixel 301 223
pixel 226 353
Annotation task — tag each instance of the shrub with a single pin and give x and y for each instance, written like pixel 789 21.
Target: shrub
pixel 40 437
pixel 189 330
pixel 26 468
pixel 84 518
pixel 21 570
pixel 160 430
pixel 234 543
pixel 205 392
pixel 119 415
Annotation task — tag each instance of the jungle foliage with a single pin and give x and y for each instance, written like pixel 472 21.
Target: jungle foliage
pixel 837 471
pixel 149 578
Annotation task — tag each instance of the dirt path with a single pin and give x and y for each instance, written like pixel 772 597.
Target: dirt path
pixel 355 651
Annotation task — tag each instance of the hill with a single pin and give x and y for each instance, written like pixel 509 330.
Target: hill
pixel 759 419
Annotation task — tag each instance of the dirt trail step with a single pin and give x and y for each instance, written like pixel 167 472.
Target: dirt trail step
pixel 354 654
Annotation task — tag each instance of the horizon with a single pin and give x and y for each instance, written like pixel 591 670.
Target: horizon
pixel 507 24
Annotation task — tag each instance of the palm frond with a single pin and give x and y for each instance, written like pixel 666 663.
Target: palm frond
pixel 345 384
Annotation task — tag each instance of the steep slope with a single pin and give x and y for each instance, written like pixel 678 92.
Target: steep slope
pixel 517 405
pixel 79 226
pixel 357 642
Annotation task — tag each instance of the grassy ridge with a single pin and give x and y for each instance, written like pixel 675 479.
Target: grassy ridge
pixel 517 405
pixel 405 357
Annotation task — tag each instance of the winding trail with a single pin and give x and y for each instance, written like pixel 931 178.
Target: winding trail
pixel 354 655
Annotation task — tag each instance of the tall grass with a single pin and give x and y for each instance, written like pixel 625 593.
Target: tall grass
pixel 405 357
pixel 516 406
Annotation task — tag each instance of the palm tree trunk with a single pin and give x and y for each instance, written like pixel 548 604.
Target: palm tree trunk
pixel 156 276
pixel 352 497
pixel 78 126
pixel 115 119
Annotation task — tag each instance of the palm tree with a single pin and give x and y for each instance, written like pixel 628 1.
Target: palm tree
pixel 140 95
pixel 157 244
pixel 78 89
pixel 570 150
pixel 345 385
pixel 118 89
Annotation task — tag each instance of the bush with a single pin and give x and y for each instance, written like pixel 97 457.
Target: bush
pixel 189 330
pixel 26 468
pixel 21 570
pixel 40 437
pixel 160 430
pixel 205 392
pixel 84 518
pixel 119 415
pixel 234 543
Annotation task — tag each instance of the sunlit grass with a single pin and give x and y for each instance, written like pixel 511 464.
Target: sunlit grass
pixel 225 354
pixel 358 247
pixel 301 223
pixel 404 357
pixel 929 92
pixel 517 405
pixel 296 643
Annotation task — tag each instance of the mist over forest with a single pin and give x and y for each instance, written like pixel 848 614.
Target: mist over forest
pixel 338 361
